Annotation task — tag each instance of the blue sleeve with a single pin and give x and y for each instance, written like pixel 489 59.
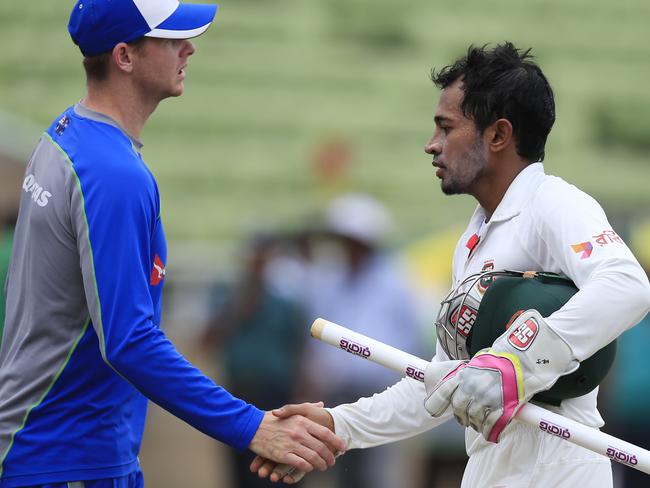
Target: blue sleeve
pixel 120 213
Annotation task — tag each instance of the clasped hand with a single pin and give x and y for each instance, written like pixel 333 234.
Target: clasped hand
pixel 309 442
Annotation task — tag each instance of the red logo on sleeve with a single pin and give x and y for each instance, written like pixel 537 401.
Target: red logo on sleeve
pixel 158 271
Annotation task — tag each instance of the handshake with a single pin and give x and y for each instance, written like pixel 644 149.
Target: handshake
pixel 484 393
pixel 293 440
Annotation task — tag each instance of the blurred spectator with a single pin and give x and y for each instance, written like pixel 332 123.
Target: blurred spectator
pixel 260 337
pixel 331 162
pixel 353 281
pixel 12 169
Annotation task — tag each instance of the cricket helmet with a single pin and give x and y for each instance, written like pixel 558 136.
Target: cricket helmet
pixel 484 305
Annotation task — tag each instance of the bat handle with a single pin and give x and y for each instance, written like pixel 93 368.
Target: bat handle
pixel 549 422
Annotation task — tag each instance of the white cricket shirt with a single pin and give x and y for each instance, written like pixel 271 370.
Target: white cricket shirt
pixel 541 224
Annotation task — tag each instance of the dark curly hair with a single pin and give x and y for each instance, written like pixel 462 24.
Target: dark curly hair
pixel 504 82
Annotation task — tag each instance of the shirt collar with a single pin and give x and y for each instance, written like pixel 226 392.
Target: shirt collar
pixel 516 195
pixel 85 112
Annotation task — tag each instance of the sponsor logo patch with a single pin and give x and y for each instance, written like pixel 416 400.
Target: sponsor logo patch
pixel 354 348
pixel 584 247
pixel 38 193
pixel 158 272
pixel 485 281
pixel 415 373
pixel 464 319
pixel 607 237
pixel 621 456
pixel 524 334
pixel 471 243
pixel 62 125
pixel 554 429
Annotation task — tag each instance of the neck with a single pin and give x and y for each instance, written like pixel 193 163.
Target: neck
pixel 490 190
pixel 121 103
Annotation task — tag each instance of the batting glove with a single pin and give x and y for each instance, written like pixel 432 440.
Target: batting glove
pixel 488 391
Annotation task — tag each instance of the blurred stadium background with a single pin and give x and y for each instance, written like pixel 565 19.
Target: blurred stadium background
pixel 289 102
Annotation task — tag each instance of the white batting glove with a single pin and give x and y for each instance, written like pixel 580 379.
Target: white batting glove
pixel 437 371
pixel 488 391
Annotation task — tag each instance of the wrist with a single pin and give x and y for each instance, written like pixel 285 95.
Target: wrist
pixel 328 420
pixel 542 355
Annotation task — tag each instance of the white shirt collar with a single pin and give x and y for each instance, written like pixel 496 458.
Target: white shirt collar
pixel 516 195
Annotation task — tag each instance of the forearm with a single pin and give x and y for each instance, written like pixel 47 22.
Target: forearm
pixel 151 363
pixel 396 413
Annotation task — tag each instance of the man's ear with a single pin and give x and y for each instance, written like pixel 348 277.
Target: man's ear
pixel 499 135
pixel 122 55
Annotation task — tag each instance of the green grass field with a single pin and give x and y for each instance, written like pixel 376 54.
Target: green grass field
pixel 272 79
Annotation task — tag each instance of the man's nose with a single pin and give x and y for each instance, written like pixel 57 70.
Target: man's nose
pixel 433 146
pixel 189 48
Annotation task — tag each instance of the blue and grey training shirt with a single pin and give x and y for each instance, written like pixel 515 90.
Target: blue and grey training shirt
pixel 82 349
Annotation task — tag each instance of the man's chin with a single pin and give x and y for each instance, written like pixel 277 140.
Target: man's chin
pixel 450 189
pixel 177 90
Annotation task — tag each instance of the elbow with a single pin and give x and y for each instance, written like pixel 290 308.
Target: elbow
pixel 633 286
pixel 640 295
pixel 644 297
pixel 112 359
pixel 115 357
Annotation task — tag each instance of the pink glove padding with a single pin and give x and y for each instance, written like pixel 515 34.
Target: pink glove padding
pixel 491 376
pixel 488 391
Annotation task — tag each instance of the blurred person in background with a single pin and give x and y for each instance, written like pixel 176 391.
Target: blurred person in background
pixel 351 278
pixel 6 239
pixel 11 177
pixel 258 336
pixel 495 112
pixel 82 348
pixel 442 450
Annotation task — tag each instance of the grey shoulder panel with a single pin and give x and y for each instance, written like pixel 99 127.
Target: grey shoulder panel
pixel 46 312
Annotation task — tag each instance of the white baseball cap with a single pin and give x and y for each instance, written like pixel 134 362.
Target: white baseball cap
pixel 96 26
pixel 359 217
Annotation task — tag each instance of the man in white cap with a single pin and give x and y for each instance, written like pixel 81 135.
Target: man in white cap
pixel 82 349
pixel 364 286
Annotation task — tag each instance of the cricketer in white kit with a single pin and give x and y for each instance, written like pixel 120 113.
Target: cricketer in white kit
pixel 542 223
pixel 494 114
